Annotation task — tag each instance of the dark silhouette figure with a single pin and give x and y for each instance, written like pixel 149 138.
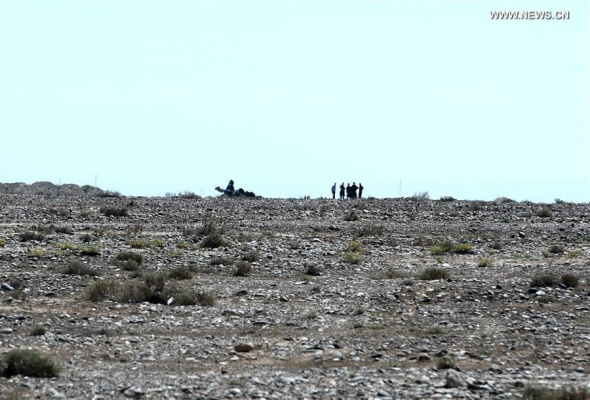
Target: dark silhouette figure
pixel 361 190
pixel 348 194
pixel 230 190
pixel 334 191
pixel 342 191
pixel 353 190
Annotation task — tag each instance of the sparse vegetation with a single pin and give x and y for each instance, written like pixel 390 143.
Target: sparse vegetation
pixel 37 330
pixel 570 280
pixel 544 212
pixel 180 273
pixel 36 252
pixel 157 243
pixel 463 248
pixel 29 362
pixel 442 248
pixel 29 235
pixel 251 256
pixel 92 250
pixel 371 229
pixel 115 211
pixel 545 280
pixel 447 362
pixel 312 269
pixel 556 249
pixel 543 393
pixel 243 268
pixel 485 262
pixel 138 244
pixel 354 253
pixel 101 290
pixel 77 267
pixel 212 241
pixel 431 274
pixel 392 273
pixel 351 216
pixel 447 199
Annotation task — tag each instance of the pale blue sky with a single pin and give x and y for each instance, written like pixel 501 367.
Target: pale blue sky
pixel 288 97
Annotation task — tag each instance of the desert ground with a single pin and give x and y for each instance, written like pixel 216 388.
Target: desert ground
pixel 182 297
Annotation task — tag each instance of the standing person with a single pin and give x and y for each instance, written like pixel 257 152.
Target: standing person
pixel 334 191
pixel 342 191
pixel 347 191
pixel 361 190
pixel 353 190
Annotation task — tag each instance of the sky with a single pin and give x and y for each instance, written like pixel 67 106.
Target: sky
pixel 151 97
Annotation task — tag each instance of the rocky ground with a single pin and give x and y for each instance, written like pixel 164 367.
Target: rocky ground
pixel 337 303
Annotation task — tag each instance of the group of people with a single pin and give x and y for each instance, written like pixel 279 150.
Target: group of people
pixel 351 191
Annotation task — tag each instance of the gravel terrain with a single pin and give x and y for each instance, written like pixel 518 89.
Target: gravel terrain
pixel 337 303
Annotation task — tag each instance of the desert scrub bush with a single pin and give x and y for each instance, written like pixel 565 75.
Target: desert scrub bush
pixel 115 211
pixel 210 225
pixel 485 262
pixel 354 252
pixel 477 205
pixel 463 248
pixel 212 241
pixel 101 290
pixel 447 362
pixel 92 250
pixel 556 249
pixel 251 256
pixel 544 212
pixel 543 393
pixel 437 330
pixel 570 280
pixel 243 268
pixel 180 273
pixel 447 199
pixel 220 261
pixel 157 243
pixel 184 245
pixel 135 292
pixel 370 230
pixel 37 330
pixel 392 273
pixel 138 244
pixel 312 269
pixel 184 297
pixel 36 252
pixel 351 216
pixel 29 235
pixel 77 267
pixel 135 229
pixel 431 274
pixel 544 281
pixel 129 256
pixel 2 242
pixel 66 246
pixel 546 299
pixel 442 248
pixel 496 246
pixel 29 362
pixel 205 298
